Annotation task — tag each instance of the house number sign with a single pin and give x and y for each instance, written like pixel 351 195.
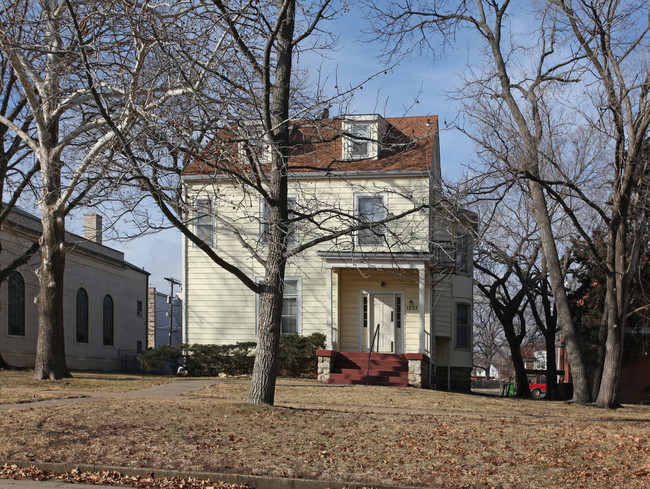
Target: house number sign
pixel 412 307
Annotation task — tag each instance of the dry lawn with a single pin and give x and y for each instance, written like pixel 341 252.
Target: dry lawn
pixel 362 435
pixel 82 381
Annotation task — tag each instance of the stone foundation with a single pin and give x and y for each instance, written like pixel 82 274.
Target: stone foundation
pixel 325 364
pixel 418 370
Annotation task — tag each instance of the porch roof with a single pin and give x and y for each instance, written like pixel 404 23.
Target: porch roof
pixel 376 259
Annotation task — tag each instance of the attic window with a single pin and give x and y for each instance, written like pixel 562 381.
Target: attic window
pixel 359 144
pixel 362 136
pixel 255 145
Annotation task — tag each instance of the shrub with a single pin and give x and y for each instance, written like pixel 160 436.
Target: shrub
pixel 154 359
pixel 296 357
pixel 215 359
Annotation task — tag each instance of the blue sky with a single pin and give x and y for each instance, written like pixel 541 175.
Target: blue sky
pixel 391 95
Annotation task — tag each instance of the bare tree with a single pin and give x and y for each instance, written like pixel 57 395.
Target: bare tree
pixel 540 301
pixel 508 297
pixel 489 342
pixel 593 47
pixel 614 38
pixel 520 147
pixel 69 138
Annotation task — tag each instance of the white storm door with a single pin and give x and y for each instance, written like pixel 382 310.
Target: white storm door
pixel 382 317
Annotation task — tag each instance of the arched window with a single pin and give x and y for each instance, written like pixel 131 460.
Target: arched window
pixel 82 316
pixel 107 320
pixel 16 304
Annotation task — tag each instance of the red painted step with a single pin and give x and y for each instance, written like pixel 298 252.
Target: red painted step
pixel 385 369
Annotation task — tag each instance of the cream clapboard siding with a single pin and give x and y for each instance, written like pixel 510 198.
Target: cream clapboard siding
pixel 463 293
pixel 442 301
pixel 219 309
pixel 453 290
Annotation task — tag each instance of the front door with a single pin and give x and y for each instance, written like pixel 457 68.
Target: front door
pixel 382 318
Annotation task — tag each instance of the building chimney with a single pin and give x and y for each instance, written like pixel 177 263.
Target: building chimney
pixel 93 227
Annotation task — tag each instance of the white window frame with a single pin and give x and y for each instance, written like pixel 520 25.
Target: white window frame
pixel 293 233
pixel 251 134
pixel 298 281
pixel 467 347
pixel 197 221
pixel 363 130
pixel 357 197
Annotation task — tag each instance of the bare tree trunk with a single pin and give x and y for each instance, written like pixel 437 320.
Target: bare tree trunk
pixel 615 294
pixel 581 392
pixel 551 366
pixel 276 123
pixel 608 392
pixel 262 389
pixel 521 379
pixel 50 349
pixel 600 356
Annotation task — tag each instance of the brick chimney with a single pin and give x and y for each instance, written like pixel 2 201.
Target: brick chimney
pixel 93 227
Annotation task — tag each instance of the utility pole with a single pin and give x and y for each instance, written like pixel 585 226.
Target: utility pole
pixel 172 282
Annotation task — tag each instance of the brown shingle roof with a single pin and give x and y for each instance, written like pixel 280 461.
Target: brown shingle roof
pixel 408 144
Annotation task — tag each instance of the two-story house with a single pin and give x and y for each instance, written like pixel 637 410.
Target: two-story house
pixel 401 288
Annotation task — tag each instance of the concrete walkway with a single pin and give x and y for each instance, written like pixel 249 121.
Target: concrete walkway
pixel 165 391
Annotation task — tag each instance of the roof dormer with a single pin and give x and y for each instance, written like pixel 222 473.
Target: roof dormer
pixel 254 143
pixel 362 136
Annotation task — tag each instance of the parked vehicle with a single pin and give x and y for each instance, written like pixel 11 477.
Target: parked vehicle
pixel 537 390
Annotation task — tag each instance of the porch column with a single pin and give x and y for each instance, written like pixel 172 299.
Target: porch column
pixel 328 309
pixel 421 283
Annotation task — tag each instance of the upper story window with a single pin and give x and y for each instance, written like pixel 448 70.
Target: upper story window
pixel 265 224
pixel 371 209
pixel 204 222
pixel 16 304
pixel 139 309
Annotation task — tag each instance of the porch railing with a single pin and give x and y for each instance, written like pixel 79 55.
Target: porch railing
pixel 372 344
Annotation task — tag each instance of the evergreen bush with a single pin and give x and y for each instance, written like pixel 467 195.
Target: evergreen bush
pixel 296 357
